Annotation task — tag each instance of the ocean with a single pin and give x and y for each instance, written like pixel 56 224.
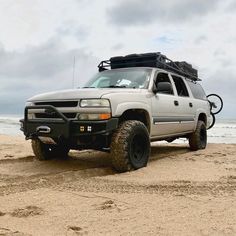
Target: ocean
pixel 10 125
pixel 224 131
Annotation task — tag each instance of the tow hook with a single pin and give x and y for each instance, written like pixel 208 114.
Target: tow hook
pixel 43 129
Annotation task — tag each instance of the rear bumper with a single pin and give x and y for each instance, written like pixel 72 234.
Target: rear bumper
pixel 62 127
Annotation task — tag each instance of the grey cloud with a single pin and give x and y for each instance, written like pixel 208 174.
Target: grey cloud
pixel 219 53
pixel 42 61
pixel 40 69
pixel 224 60
pixel 223 83
pixel 118 46
pixel 231 7
pixel 80 33
pixel 136 12
pixel 200 39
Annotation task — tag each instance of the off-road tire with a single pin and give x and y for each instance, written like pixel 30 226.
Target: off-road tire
pixel 45 152
pixel 198 139
pixel 130 146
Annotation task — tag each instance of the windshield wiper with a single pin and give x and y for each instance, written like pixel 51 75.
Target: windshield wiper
pixel 88 87
pixel 115 86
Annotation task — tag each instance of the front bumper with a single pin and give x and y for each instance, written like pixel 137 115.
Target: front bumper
pixel 62 127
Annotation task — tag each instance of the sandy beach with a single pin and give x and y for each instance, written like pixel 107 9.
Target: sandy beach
pixel 179 193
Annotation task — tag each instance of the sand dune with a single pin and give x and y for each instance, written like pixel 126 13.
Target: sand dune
pixel 179 193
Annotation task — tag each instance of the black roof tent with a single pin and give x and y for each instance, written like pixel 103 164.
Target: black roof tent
pixel 155 59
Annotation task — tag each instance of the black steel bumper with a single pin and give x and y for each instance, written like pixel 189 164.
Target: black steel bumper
pixel 62 127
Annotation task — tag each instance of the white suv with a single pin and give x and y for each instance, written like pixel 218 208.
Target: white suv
pixel 139 99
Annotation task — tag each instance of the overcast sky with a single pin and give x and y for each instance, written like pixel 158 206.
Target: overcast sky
pixel 39 40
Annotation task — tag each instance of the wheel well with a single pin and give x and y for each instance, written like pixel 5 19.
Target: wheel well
pixel 203 117
pixel 136 114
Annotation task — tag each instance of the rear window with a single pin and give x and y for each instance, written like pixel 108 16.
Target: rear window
pixel 197 90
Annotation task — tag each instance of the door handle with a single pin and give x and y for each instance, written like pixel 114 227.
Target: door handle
pixel 176 103
pixel 190 104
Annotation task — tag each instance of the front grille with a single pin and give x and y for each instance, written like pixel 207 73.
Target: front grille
pixel 53 115
pixel 59 103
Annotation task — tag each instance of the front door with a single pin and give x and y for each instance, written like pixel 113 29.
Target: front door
pixel 164 109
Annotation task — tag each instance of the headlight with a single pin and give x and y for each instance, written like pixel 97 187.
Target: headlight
pixel 27 104
pixel 30 115
pixel 94 103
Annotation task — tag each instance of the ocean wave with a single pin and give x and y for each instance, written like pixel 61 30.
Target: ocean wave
pixel 224 127
pixel 222 136
pixel 10 121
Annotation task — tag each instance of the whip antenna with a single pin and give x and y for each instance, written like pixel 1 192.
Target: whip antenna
pixel 73 82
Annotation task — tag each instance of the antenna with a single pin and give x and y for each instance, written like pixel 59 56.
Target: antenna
pixel 73 82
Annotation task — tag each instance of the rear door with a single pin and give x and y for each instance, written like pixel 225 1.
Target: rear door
pixel 186 105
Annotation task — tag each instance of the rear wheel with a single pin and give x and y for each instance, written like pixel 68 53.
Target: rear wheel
pixel 130 146
pixel 198 139
pixel 44 151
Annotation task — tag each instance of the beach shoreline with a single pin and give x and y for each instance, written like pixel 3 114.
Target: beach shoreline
pixel 180 192
pixel 224 131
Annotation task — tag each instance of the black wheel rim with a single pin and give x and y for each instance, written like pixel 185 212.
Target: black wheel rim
pixel 49 150
pixel 138 150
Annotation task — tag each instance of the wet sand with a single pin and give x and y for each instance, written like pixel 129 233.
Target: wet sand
pixel 179 193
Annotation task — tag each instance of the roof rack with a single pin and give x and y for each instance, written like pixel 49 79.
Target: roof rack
pixel 155 59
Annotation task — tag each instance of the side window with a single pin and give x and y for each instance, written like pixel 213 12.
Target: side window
pixel 162 80
pixel 180 86
pixel 197 90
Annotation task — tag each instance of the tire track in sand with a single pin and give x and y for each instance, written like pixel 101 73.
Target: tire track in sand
pixel 87 181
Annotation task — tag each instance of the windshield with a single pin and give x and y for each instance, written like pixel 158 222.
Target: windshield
pixel 121 78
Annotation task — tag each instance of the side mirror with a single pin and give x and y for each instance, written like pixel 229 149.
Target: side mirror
pixel 154 88
pixel 162 87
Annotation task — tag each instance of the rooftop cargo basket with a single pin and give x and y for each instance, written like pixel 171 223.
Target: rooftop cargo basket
pixel 156 59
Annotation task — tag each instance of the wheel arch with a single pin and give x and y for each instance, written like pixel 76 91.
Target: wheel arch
pixel 203 117
pixel 139 114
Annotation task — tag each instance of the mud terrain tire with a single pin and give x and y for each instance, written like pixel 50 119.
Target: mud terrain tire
pixel 130 146
pixel 45 152
pixel 198 139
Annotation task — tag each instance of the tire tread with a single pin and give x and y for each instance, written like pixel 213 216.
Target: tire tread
pixel 119 145
pixel 195 139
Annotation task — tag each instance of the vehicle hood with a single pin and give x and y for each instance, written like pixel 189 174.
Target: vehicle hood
pixel 76 94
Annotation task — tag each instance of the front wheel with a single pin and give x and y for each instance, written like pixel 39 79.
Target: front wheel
pixel 44 151
pixel 130 146
pixel 198 139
